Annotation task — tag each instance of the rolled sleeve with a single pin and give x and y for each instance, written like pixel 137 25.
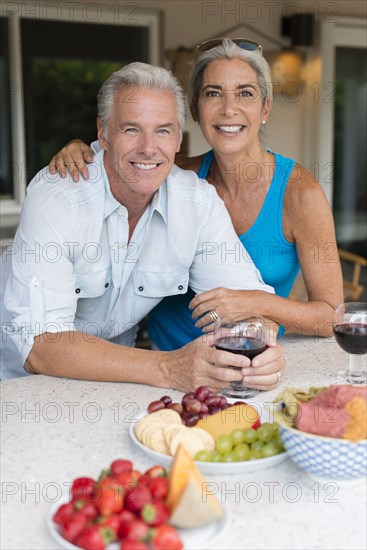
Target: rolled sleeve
pixel 40 292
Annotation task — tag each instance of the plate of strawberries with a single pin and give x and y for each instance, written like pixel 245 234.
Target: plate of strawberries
pixel 124 509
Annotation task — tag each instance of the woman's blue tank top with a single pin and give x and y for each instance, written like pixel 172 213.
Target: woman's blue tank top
pixel 170 324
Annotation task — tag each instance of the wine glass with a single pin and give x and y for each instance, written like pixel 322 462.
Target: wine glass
pixel 245 337
pixel 350 330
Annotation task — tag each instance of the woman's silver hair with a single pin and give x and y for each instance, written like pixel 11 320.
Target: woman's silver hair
pixel 229 50
pixel 139 75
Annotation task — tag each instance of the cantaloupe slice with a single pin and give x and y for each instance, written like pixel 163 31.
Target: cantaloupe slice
pixel 236 417
pixel 188 501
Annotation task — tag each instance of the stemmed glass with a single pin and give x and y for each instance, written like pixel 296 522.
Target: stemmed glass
pixel 350 330
pixel 245 337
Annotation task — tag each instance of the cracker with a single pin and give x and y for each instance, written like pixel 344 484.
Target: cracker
pixel 191 441
pixel 206 437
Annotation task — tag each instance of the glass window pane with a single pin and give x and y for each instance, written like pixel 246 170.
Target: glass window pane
pixel 6 183
pixel 350 145
pixel 61 80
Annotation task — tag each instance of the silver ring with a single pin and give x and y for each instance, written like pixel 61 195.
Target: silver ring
pixel 279 377
pixel 213 315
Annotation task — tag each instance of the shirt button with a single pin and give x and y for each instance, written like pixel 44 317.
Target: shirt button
pixel 107 285
pixel 180 287
pixel 141 288
pixel 77 291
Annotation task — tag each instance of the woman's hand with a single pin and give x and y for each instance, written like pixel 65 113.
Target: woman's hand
pixel 229 305
pixel 72 158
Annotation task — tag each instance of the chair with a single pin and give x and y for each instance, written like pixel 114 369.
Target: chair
pixel 353 288
pixel 351 266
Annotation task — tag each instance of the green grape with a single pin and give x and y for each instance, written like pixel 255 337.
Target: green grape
pixel 265 433
pixel 224 444
pixel 216 456
pixel 269 449
pixel 250 435
pixel 254 454
pixel 272 426
pixel 242 451
pixel 257 446
pixel 229 457
pixel 203 456
pixel 237 436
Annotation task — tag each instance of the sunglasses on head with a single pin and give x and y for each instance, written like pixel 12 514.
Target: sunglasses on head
pixel 243 43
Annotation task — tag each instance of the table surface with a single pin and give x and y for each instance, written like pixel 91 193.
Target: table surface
pixel 54 430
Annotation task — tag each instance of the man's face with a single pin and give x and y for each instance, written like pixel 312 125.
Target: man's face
pixel 143 138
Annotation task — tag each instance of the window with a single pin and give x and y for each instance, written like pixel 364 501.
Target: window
pixel 54 57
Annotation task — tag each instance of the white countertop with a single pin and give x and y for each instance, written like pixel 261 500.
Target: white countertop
pixel 54 430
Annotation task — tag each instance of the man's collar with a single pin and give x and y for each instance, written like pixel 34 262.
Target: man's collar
pixel 158 203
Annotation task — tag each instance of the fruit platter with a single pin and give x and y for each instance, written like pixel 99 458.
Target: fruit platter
pixel 125 509
pixel 220 437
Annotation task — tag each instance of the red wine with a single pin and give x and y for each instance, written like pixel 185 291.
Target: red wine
pixel 243 346
pixel 351 337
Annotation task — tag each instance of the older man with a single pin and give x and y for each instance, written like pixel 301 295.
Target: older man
pixel 90 261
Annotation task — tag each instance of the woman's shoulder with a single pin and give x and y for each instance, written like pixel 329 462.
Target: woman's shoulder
pixel 303 188
pixel 189 163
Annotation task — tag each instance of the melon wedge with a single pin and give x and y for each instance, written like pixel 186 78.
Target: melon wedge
pixel 189 502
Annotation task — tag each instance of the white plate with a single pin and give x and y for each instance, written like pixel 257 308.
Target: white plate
pixel 200 537
pixel 242 467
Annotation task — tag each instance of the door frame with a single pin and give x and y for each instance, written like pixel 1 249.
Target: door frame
pixel 347 32
pixel 111 14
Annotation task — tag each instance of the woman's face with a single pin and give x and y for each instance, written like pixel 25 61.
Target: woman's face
pixel 230 107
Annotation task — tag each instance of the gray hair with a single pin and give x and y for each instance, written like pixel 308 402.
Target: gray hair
pixel 229 50
pixel 139 75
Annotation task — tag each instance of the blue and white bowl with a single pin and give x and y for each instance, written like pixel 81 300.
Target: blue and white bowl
pixel 325 457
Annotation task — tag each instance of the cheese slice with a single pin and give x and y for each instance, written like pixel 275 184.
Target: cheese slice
pixel 188 501
pixel 236 417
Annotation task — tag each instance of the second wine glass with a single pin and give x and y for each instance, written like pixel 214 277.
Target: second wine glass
pixel 350 330
pixel 245 337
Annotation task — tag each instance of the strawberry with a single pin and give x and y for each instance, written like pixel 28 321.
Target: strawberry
pixel 83 488
pixel 87 508
pixel 158 486
pixel 64 512
pixel 118 466
pixel 135 529
pixel 156 471
pixel 257 424
pixel 137 497
pixel 73 526
pixel 166 537
pixel 112 522
pixel 128 544
pixel 94 538
pixel 155 513
pixel 110 497
pixel 127 479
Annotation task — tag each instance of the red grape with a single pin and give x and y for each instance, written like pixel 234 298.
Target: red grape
pixel 192 406
pixel 204 408
pixel 155 406
pixel 166 400
pixel 190 419
pixel 213 400
pixel 175 407
pixel 201 393
pixel 189 395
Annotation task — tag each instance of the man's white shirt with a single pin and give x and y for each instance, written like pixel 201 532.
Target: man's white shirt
pixel 73 268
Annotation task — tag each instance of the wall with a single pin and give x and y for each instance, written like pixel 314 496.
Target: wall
pixel 292 127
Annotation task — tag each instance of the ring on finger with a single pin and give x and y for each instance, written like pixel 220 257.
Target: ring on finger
pixel 279 377
pixel 213 315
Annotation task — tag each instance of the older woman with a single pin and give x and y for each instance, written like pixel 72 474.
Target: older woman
pixel 277 208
